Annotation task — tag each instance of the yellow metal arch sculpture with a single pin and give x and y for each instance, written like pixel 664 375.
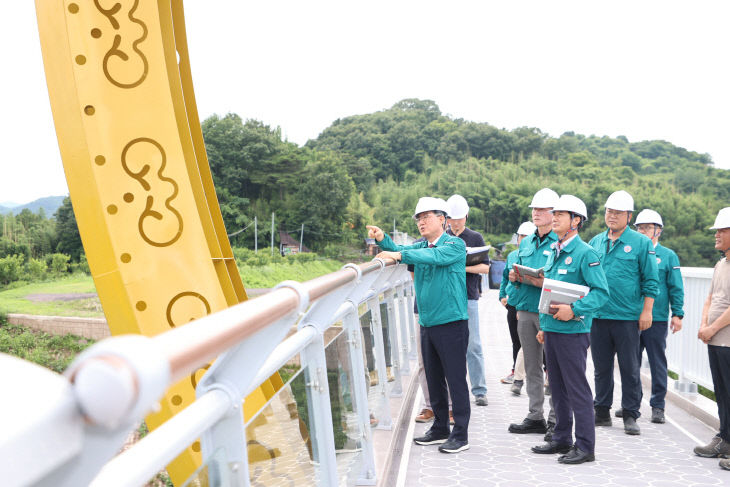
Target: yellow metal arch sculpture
pixel 122 98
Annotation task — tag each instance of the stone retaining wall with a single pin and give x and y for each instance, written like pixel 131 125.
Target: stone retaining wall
pixel 94 328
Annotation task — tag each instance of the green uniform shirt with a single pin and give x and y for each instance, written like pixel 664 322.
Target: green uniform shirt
pixel 506 289
pixel 439 278
pixel 577 263
pixel 532 253
pixel 671 288
pixel 630 267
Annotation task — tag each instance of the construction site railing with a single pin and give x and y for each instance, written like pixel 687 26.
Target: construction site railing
pixel 67 430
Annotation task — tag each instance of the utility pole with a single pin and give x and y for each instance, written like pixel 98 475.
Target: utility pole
pixel 272 233
pixel 255 235
pixel 301 237
pixel 393 226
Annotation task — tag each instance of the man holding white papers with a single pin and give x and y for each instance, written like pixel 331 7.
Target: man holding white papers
pixel 629 261
pixel 533 252
pixel 458 211
pixel 565 331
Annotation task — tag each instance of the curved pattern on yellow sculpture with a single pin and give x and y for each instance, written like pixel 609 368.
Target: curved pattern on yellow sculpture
pixel 114 69
pixel 122 98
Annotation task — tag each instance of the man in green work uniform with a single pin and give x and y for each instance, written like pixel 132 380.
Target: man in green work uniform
pixel 629 261
pixel 533 252
pixel 440 280
pixel 565 331
pixel 671 292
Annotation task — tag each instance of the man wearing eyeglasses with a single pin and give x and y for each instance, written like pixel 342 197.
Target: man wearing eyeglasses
pixel 440 280
pixel 629 261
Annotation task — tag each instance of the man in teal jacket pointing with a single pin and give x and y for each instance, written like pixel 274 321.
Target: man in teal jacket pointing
pixel 440 281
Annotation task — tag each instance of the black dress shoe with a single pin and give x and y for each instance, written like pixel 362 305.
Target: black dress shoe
pixel 528 426
pixel 551 447
pixel 576 456
pixel 603 416
pixel 431 438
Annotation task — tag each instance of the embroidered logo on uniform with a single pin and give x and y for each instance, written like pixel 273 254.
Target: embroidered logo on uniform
pixel 553 245
pixel 652 252
pixel 676 267
pixel 658 260
pixel 594 264
pixel 568 260
pixel 627 249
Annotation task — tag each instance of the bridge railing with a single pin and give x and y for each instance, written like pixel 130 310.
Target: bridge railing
pixel 686 354
pixel 314 430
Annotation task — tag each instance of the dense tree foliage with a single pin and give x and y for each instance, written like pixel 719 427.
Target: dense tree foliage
pixel 374 167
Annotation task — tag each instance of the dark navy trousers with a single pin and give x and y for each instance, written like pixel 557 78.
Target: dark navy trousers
pixel 720 368
pixel 654 340
pixel 572 397
pixel 444 360
pixel 610 338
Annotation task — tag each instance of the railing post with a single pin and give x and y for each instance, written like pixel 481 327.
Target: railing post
pixel 384 419
pixel 320 412
pixel 405 336
pixel 410 297
pixel 395 355
pixel 351 324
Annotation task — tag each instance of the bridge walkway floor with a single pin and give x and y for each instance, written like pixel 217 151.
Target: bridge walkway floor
pixel 661 456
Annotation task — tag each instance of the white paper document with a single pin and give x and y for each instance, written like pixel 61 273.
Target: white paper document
pixel 559 292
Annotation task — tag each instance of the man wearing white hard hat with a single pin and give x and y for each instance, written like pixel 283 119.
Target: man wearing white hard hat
pixel 506 296
pixel 671 293
pixel 534 252
pixel 715 332
pixel 440 281
pixel 458 212
pixel 565 331
pixel 629 261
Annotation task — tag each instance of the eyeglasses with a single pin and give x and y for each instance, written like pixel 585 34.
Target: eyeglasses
pixel 418 219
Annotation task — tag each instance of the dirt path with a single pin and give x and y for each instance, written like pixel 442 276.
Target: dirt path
pixel 46 297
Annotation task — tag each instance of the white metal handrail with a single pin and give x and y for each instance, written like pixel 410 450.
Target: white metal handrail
pixel 249 343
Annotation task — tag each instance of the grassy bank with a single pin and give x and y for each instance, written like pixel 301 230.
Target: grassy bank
pixel 14 300
pixel 50 351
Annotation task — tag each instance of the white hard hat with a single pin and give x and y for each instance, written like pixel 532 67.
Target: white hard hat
pixel 545 198
pixel 427 203
pixel 649 216
pixel 458 207
pixel 620 200
pixel 573 204
pixel 527 228
pixel 722 220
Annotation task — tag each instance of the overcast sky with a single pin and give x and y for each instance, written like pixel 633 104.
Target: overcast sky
pixel 643 69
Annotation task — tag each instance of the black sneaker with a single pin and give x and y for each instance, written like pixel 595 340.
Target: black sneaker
pixel 630 426
pixel 549 433
pixel 657 415
pixel 431 438
pixel 603 416
pixel 454 446
pixel 528 426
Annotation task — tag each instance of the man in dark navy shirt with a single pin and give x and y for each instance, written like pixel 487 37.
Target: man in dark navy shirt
pixel 458 211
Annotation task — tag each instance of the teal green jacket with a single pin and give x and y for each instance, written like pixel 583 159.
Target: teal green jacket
pixel 439 277
pixel 577 263
pixel 532 253
pixel 506 289
pixel 671 288
pixel 630 267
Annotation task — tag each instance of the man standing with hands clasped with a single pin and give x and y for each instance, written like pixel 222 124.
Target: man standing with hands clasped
pixel 629 261
pixel 671 292
pixel 440 280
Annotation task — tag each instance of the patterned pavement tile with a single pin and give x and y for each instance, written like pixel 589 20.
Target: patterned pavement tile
pixel 661 456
